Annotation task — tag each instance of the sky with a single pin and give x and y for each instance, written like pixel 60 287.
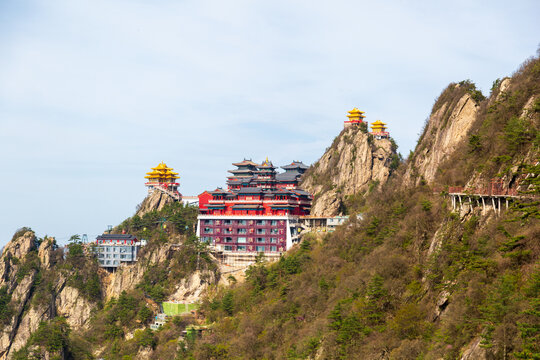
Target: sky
pixel 95 93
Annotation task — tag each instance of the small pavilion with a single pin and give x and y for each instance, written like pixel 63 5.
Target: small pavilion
pixel 378 129
pixel 355 118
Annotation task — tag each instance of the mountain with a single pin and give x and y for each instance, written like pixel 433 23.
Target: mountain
pixel 414 278
pixel 434 268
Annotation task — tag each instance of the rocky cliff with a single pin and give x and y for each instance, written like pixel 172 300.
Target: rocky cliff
pixel 453 116
pixel 36 290
pixel 354 162
pixel 155 200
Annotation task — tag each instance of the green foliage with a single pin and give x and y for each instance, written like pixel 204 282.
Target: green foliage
pixel 476 94
pixel 144 315
pixel 426 205
pixel 29 265
pixel 500 302
pixel 475 143
pixel 5 309
pixel 409 322
pixel 173 218
pixel 52 336
pixel 228 303
pixel 20 232
pixel 75 239
pixel 396 160
pixel 528 207
pixel 517 133
pixel 363 127
pixel 145 338
pixel 529 327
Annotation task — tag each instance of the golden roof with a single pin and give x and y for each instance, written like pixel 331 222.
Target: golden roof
pixel 355 113
pixel 378 126
pixel 162 172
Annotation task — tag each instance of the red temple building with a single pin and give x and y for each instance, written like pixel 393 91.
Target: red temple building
pixel 259 210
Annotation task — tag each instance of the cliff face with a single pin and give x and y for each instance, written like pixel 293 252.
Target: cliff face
pixel 24 266
pixel 448 125
pixel 156 200
pixel 353 162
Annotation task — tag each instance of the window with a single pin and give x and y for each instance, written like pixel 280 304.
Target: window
pixel 242 222
pixel 241 248
pixel 260 248
pixel 227 222
pixel 241 240
pixel 228 248
pixel 206 239
pixel 274 222
pixel 228 239
pixel 261 222
pixel 241 231
pixel 208 222
pixel 208 230
pixel 273 248
pixel 261 231
pixel 273 240
pixel 274 231
pixel 260 240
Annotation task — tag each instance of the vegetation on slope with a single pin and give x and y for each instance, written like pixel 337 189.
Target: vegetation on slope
pixel 412 279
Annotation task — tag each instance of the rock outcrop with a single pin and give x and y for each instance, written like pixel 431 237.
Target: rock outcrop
pixel 127 276
pixel 355 161
pixel 446 129
pixel 23 265
pixel 155 200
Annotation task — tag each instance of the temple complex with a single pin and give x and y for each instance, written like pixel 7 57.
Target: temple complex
pixel 378 130
pixel 291 177
pixel 258 212
pixel 355 118
pixel 162 178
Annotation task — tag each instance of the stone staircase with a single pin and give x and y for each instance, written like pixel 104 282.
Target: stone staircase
pixel 175 195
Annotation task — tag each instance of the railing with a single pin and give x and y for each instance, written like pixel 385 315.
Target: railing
pixel 496 189
pixel 173 194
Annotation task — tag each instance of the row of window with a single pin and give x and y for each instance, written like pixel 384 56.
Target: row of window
pixel 114 256
pixel 243 240
pixel 121 249
pixel 109 262
pixel 242 222
pixel 244 248
pixel 208 230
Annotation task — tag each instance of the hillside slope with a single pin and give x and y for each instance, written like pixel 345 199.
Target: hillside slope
pixel 413 279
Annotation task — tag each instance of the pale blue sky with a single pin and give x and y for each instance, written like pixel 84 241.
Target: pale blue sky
pixel 94 93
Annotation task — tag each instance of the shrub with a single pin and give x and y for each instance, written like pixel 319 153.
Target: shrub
pixel 5 308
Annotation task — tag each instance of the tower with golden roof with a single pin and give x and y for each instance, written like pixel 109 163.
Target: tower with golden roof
pixel 164 179
pixel 355 118
pixel 378 129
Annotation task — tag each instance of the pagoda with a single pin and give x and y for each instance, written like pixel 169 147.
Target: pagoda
pixel 356 117
pixel 163 178
pixel 378 129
